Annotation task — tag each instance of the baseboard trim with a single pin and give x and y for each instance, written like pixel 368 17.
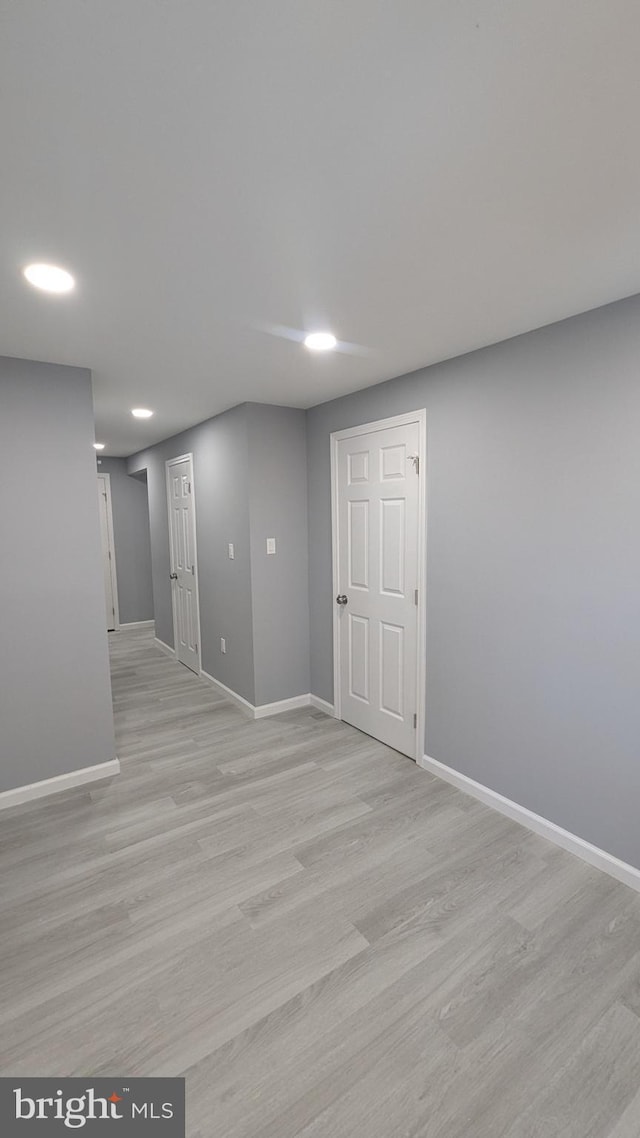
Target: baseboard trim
pixel 164 647
pixel 264 710
pixel 322 705
pixel 600 859
pixel 138 624
pixel 58 783
pixel 229 693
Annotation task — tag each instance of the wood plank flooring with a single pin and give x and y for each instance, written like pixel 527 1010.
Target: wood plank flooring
pixel 325 940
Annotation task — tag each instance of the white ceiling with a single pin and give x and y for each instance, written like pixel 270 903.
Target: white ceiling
pixel 423 177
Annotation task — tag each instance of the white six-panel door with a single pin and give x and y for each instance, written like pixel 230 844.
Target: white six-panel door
pixel 183 562
pixel 376 578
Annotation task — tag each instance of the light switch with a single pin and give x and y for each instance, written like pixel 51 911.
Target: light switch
pixel 223 644
pixel 232 551
pixel 271 545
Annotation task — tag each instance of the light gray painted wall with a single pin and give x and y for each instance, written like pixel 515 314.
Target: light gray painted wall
pixel 278 507
pixel 533 565
pixel 221 475
pixel 55 693
pixel 250 483
pixel 130 507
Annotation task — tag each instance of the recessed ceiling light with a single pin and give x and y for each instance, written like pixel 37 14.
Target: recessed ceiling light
pixel 49 277
pixel 98 446
pixel 141 412
pixel 320 341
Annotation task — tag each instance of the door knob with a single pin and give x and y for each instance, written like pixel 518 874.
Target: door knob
pixel 341 599
pixel 173 576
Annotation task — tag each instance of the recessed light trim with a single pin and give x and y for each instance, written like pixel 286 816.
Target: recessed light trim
pixel 141 412
pixel 98 446
pixel 320 341
pixel 49 278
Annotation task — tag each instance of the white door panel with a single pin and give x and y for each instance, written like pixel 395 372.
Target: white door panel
pixel 184 570
pixel 377 502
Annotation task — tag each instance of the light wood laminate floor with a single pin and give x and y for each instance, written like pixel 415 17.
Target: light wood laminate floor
pixel 325 940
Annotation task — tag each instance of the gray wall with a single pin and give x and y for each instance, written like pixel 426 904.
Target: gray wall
pixel 221 475
pixel 533 566
pixel 130 507
pixel 250 484
pixel 55 693
pixel 279 584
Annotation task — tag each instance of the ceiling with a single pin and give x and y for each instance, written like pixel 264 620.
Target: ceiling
pixel 422 177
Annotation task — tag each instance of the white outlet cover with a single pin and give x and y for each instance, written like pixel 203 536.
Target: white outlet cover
pixel 232 551
pixel 223 644
pixel 271 545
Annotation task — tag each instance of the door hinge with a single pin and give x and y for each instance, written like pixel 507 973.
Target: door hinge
pixel 415 596
pixel 415 719
pixel 109 552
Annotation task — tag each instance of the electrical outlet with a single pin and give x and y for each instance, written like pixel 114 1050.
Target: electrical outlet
pixel 271 545
pixel 223 644
pixel 232 551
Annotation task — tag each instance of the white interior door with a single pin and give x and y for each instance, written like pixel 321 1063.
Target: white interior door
pixel 183 561
pixel 376 576
pixel 108 551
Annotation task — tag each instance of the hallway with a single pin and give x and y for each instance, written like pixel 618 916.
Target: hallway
pixel 323 938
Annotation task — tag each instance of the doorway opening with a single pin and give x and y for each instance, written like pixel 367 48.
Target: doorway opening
pixel 108 552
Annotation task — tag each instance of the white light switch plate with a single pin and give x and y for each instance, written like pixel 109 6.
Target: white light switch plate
pixel 271 545
pixel 223 644
pixel 232 551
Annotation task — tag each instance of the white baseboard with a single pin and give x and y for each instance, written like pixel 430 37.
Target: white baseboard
pixel 232 695
pixel 263 710
pixel 322 705
pixel 164 647
pixel 621 870
pixel 138 624
pixel 66 781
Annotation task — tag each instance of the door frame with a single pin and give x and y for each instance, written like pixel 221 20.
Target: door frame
pixel 167 466
pixel 419 417
pixel 112 549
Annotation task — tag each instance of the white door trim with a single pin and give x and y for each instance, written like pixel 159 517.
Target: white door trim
pixel 419 417
pixel 168 464
pixel 112 548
